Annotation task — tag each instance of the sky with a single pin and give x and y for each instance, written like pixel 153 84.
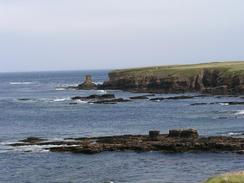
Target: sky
pixel 45 35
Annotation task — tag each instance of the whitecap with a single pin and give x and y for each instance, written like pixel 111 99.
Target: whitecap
pixel 235 133
pixel 60 89
pixel 38 148
pixel 82 101
pixel 21 83
pixel 224 103
pixel 102 91
pixel 240 112
pixel 98 83
pixel 61 99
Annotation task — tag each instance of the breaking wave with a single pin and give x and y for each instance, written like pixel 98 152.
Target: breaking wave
pixel 235 133
pixel 60 89
pixel 102 91
pixel 21 83
pixel 61 99
pixel 240 112
pixel 6 147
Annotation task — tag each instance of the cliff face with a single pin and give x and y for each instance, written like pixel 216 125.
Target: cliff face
pixel 214 78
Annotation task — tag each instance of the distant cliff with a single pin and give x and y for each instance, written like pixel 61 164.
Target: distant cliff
pixel 220 78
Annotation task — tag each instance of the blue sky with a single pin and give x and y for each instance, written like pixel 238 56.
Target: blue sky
pixel 106 34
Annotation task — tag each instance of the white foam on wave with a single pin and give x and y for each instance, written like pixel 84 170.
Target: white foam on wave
pixel 102 91
pixel 81 101
pixel 235 133
pixel 61 99
pixel 60 89
pixel 98 83
pixel 29 148
pixel 224 103
pixel 240 112
pixel 21 83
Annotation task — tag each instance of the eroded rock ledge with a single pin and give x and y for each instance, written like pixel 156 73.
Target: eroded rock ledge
pixel 223 78
pixel 186 140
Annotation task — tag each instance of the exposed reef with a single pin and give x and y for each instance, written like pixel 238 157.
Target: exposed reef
pixel 100 99
pixel 178 140
pixel 223 78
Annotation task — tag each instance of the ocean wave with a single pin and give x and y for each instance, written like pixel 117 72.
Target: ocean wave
pixel 98 83
pixel 6 147
pixel 240 112
pixel 60 89
pixel 21 83
pixel 61 99
pixel 224 103
pixel 235 133
pixel 102 91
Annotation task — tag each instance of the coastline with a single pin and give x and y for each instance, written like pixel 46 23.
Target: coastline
pixel 217 78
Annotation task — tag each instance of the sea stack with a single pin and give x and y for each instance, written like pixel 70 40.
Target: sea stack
pixel 87 84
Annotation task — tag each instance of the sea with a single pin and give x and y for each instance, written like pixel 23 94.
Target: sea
pixel 38 104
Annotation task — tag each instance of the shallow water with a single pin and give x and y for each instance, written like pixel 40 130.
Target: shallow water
pixel 37 104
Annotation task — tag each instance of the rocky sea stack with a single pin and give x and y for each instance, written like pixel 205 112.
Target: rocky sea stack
pixel 87 84
pixel 218 78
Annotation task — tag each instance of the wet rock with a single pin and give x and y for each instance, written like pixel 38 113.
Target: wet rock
pixel 101 99
pixel 25 99
pixel 77 98
pixel 172 98
pixel 180 97
pixel 199 103
pixel 157 99
pixel 87 84
pixel 32 140
pixel 240 152
pixel 141 97
pixel 154 134
pixel 73 103
pixel 94 97
pixel 235 103
pixel 111 101
pixel 183 133
pixel 183 140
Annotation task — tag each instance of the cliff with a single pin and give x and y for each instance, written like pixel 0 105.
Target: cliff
pixel 213 78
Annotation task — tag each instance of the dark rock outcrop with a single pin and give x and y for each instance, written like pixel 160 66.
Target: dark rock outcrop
pixel 101 99
pixel 183 133
pixel 172 98
pixel 32 140
pixel 88 84
pixel 185 140
pixel 95 97
pixel 213 78
pixel 141 97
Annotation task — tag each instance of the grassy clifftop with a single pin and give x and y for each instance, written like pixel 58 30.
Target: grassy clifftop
pixel 237 177
pixel 217 78
pixel 227 68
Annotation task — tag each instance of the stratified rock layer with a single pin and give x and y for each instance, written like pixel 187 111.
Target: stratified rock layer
pixel 213 78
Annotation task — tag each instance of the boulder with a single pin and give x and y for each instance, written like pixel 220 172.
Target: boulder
pixel 183 133
pixel 153 134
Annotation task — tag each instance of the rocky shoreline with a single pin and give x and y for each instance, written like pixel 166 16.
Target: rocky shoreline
pixel 176 141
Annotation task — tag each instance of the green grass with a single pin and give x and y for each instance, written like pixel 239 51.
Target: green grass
pixel 227 68
pixel 237 177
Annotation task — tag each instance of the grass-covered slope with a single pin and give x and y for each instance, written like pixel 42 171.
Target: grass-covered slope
pixel 237 177
pixel 214 78
pixel 186 70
